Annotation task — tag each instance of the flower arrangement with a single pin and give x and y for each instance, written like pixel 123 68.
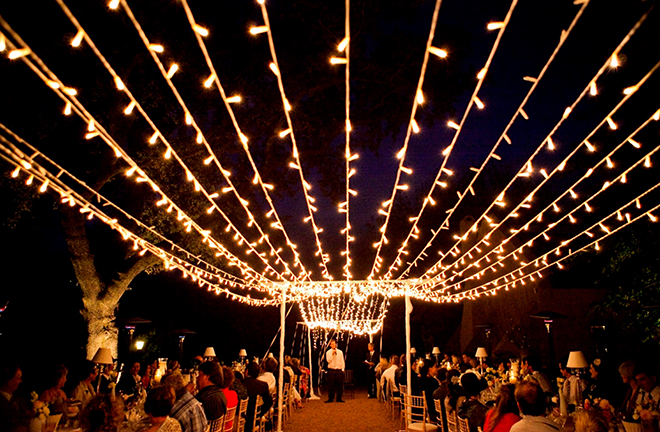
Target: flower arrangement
pixel 491 375
pixel 600 405
pixel 646 411
pixel 41 410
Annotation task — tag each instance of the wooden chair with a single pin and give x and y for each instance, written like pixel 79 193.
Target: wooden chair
pixel 393 402
pixel 239 420
pixel 452 423
pixel 349 383
pixel 415 413
pixel 257 421
pixel 228 423
pixel 216 425
pixel 440 415
pixel 463 425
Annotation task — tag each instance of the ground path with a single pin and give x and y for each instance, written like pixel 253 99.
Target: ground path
pixel 358 414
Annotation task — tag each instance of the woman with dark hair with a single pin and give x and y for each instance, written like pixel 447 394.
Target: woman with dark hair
pixel 210 381
pixel 471 408
pixel 230 395
pixel 158 405
pixel 505 412
pixel 104 413
pixel 54 396
pixel 429 384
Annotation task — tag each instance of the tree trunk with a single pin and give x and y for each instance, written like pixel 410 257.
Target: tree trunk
pixel 100 298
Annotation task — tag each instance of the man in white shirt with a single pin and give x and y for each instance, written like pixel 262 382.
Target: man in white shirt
pixel 335 376
pixel 389 376
pixel 649 390
pixel 572 388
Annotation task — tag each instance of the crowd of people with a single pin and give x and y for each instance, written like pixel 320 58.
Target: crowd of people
pixel 174 401
pixel 519 396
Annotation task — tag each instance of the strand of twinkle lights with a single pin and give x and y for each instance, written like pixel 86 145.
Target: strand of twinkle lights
pixel 346 45
pixel 72 198
pixel 153 49
pixel 401 154
pixel 473 292
pixel 645 160
pixel 524 171
pixel 306 187
pixel 67 94
pixel 428 200
pixel 527 169
pixel 200 33
pixel 492 154
pixel 606 160
pixel 106 202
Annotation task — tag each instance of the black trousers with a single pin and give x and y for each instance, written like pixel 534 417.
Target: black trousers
pixel 371 379
pixel 335 383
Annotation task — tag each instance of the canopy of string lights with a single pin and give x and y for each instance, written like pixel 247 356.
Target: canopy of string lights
pixel 545 150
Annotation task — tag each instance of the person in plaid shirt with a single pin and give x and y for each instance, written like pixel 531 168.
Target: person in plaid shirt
pixel 187 410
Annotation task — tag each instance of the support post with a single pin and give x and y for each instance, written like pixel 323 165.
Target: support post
pixel 312 396
pixel 408 364
pixel 281 381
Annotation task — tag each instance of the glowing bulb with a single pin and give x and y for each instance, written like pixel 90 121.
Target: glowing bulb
pixel 495 25
pixel 609 162
pixel 189 118
pixel 259 29
pixel 342 45
pixel 129 108
pixel 587 207
pixel 113 4
pixel 273 67
pixel 18 53
pixel 3 43
pixel 567 112
pixel 656 116
pixel 630 90
pixel 75 42
pixel 337 60
pixel 200 30
pixel 52 84
pixel 482 73
pixel 611 123
pixel 414 125
pixel 614 61
pixel 453 125
pixel 593 90
pixel 67 108
pixel 168 153
pixel 634 143
pixel 234 99
pixel 438 51
pixel 70 91
pixel 285 133
pixel 348 126
pixel 647 162
pixel 551 145
pixel 480 104
pixel 14 173
pixel 590 147
pixel 243 138
pixel 209 81
pixel 153 138
pixel 172 71
pixel 208 160
pixel 156 48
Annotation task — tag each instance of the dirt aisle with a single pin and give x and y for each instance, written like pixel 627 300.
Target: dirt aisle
pixel 359 414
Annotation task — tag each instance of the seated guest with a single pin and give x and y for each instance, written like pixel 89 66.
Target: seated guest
pixel 304 377
pixel 209 382
pixel 230 395
pixel 532 365
pixel 472 408
pixel 572 388
pixel 107 378
pixel 103 413
pixel 85 390
pixel 158 405
pixel 54 396
pixel 187 410
pixel 626 370
pixel 268 369
pixel 256 387
pixel 531 402
pixel 130 383
pixel 649 393
pixel 444 377
pixel 387 379
pixel 238 387
pixel 590 421
pixel 428 382
pixel 505 413
pixel 11 417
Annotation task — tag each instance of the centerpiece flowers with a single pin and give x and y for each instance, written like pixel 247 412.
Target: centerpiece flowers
pixel 41 410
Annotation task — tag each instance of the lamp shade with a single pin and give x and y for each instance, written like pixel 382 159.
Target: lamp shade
pixel 209 352
pixel 481 353
pixel 576 360
pixel 103 356
pixel 436 351
pixel 271 355
pixel 242 353
pixel 413 350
